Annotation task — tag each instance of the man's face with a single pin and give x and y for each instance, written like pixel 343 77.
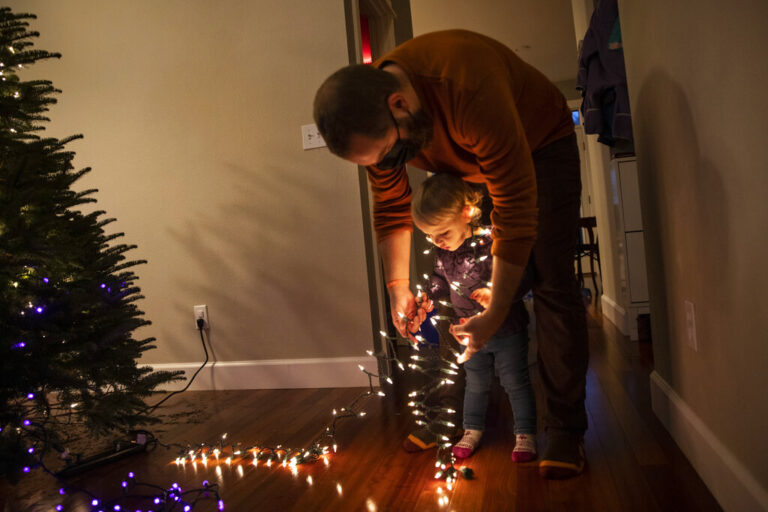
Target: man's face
pixel 415 127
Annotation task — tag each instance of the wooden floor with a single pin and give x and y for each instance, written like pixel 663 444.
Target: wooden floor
pixel 632 463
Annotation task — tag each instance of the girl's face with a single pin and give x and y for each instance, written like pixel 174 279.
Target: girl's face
pixel 449 232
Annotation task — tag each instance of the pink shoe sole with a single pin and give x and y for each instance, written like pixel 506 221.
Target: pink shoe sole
pixel 523 456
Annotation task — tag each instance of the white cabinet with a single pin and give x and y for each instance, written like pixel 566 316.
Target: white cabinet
pixel 630 243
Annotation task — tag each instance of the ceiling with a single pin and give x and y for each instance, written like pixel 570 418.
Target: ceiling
pixel 540 31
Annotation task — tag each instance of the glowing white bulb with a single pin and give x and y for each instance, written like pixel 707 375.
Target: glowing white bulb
pixel 309 479
pixel 338 489
pixel 383 333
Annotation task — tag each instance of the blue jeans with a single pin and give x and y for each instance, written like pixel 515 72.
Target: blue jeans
pixel 509 352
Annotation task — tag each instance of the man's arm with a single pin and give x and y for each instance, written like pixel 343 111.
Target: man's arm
pixel 396 255
pixel 505 279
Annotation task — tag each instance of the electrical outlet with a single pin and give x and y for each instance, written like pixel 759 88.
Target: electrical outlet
pixel 310 137
pixel 202 312
pixel 690 326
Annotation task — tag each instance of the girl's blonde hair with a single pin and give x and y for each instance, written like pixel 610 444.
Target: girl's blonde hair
pixel 442 196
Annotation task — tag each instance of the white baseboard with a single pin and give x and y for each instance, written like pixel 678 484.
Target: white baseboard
pixel 338 372
pixel 615 313
pixel 734 487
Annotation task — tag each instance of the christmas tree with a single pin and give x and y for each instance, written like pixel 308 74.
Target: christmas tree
pixel 68 358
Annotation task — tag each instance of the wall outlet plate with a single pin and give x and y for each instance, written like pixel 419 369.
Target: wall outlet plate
pixel 311 138
pixel 201 311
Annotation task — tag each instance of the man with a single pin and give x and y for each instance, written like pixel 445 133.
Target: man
pixel 459 102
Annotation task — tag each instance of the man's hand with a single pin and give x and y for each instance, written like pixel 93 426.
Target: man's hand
pixel 404 309
pixel 482 296
pixel 424 306
pixel 474 333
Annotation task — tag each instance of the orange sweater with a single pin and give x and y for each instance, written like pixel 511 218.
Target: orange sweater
pixel 490 111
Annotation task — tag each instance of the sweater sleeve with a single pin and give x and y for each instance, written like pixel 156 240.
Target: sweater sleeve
pixel 391 201
pixel 489 127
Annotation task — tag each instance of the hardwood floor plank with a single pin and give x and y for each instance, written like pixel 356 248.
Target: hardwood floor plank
pixel 632 462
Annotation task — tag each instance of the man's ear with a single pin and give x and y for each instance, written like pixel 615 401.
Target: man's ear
pixel 397 102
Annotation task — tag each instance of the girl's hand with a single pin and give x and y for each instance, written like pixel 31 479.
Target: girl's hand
pixel 482 296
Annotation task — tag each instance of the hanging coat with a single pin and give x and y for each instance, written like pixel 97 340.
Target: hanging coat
pixel 602 78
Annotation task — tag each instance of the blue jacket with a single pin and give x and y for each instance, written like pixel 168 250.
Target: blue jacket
pixel 602 77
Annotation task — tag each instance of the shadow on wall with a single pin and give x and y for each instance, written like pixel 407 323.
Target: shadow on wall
pixel 685 214
pixel 276 268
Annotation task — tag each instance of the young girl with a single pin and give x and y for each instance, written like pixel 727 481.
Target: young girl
pixel 445 208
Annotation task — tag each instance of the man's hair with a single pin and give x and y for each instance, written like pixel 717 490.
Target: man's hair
pixel 442 196
pixel 352 101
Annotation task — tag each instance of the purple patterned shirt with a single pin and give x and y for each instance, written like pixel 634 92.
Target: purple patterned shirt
pixel 458 273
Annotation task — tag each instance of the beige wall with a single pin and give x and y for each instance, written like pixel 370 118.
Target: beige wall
pixel 697 73
pixel 545 26
pixel 191 112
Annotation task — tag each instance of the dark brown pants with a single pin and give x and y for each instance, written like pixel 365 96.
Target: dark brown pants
pixel 561 324
pixel 561 327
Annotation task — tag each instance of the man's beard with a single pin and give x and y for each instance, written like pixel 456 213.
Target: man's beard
pixel 419 126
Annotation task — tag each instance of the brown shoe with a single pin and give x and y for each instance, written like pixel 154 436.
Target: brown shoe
pixel 419 440
pixel 564 456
